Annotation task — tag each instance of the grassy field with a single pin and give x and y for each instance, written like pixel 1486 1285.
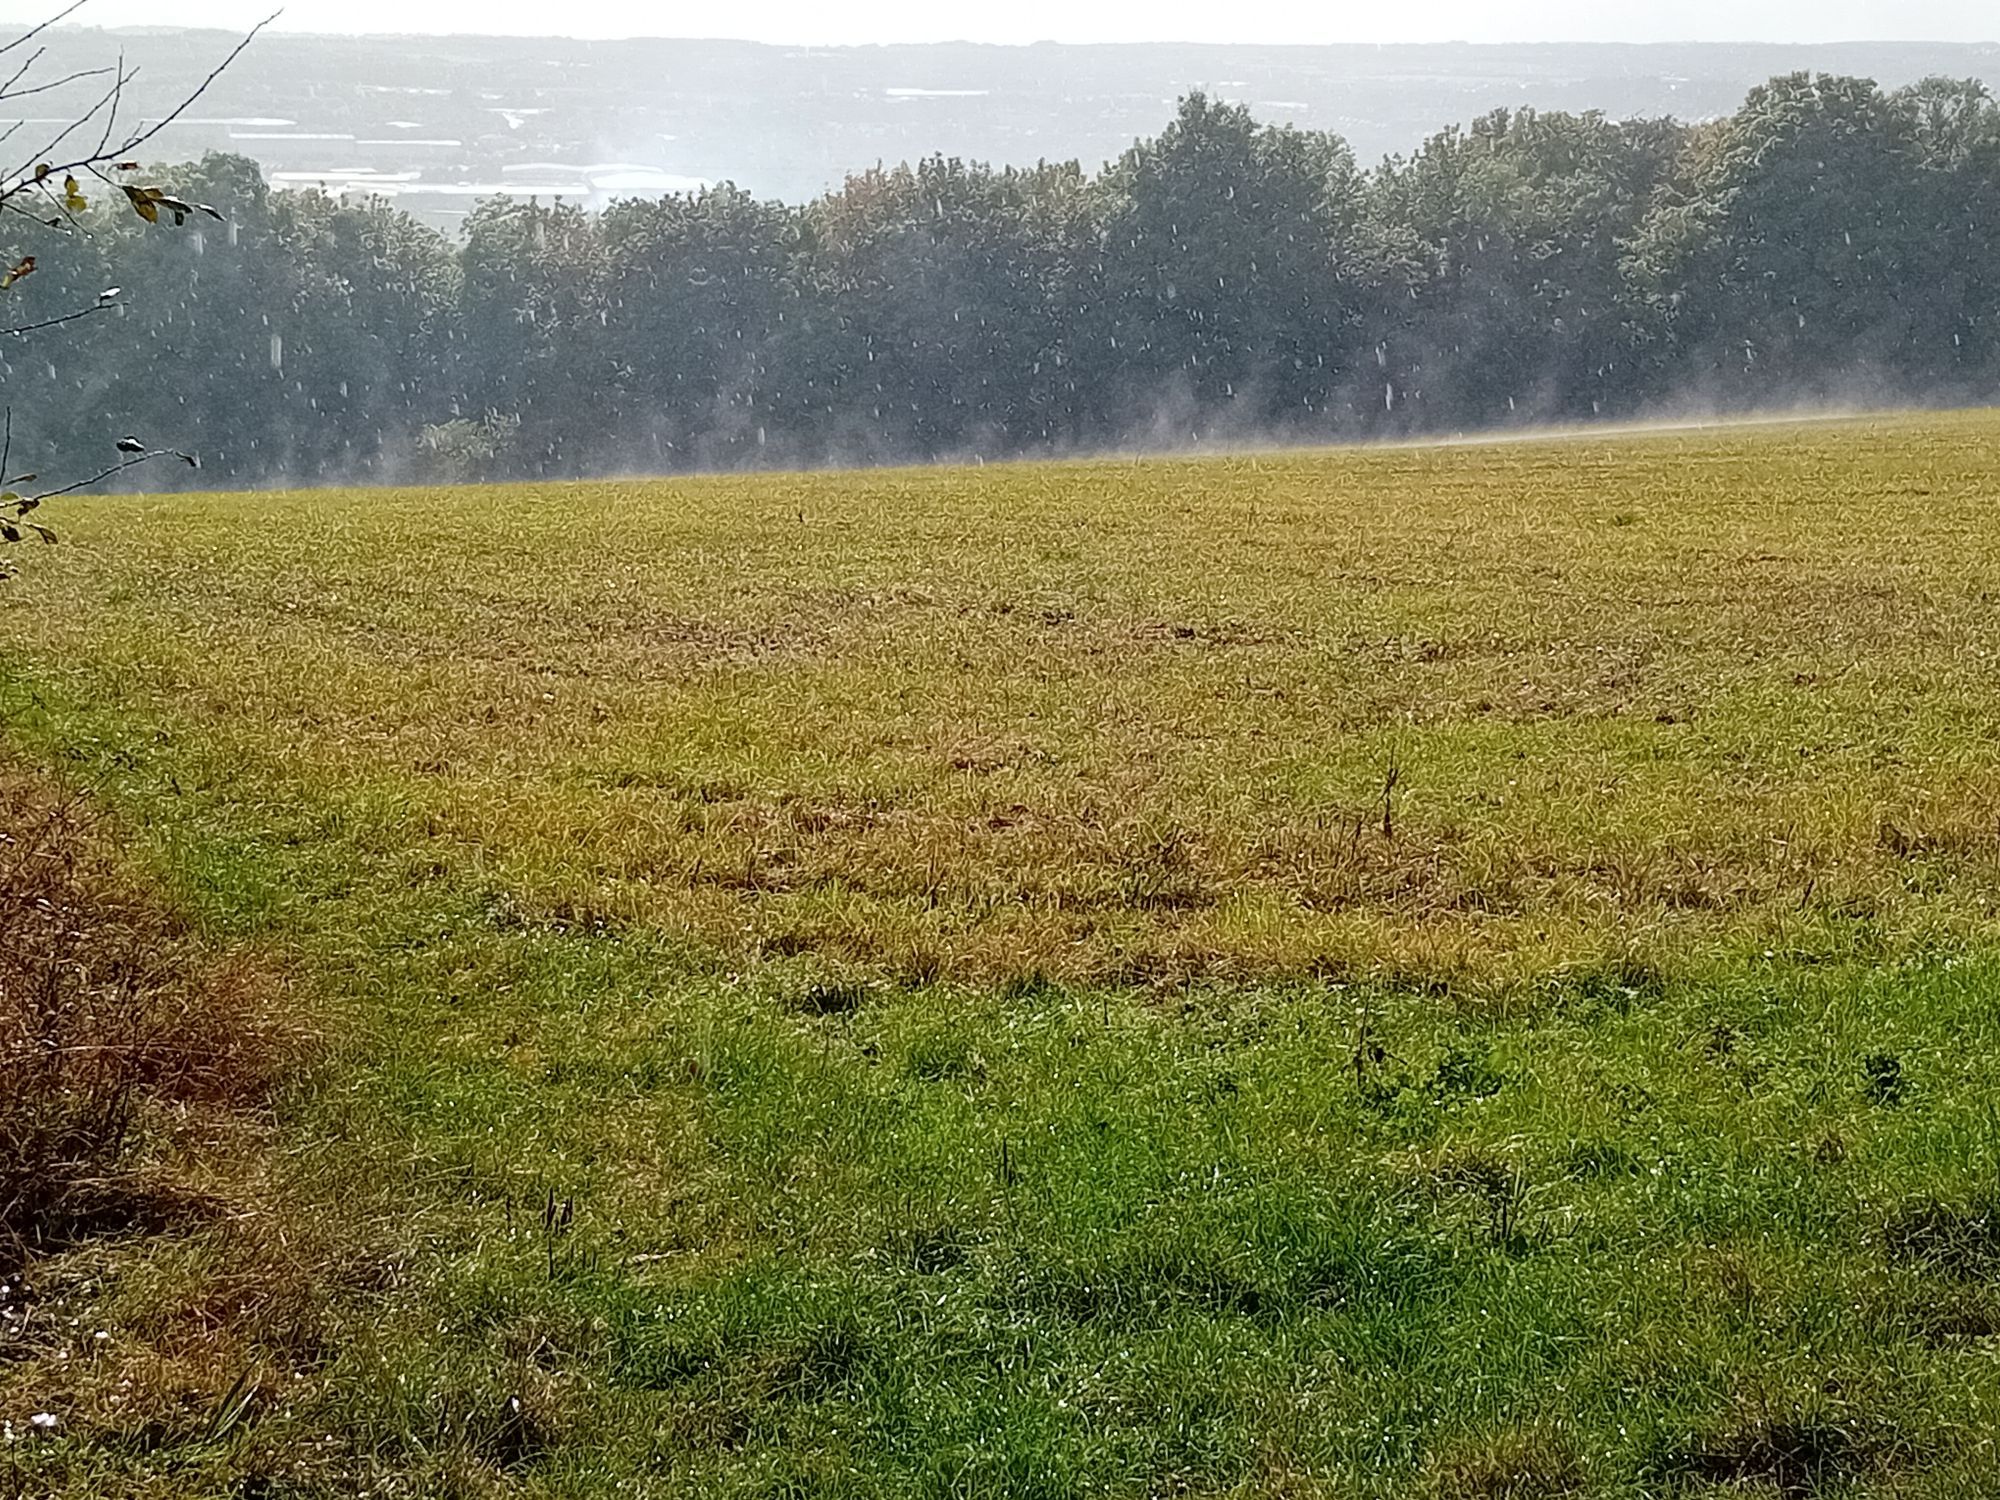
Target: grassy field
pixel 1461 971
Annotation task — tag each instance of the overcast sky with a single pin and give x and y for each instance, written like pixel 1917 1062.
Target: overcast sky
pixel 835 21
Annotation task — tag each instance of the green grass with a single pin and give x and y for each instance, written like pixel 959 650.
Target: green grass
pixel 935 940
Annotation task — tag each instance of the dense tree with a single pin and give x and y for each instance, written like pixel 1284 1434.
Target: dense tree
pixel 1784 262
pixel 1496 267
pixel 1222 293
pixel 535 319
pixel 945 290
pixel 77 161
pixel 1952 205
pixel 697 291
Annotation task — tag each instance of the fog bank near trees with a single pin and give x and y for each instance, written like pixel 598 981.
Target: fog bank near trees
pixel 1224 282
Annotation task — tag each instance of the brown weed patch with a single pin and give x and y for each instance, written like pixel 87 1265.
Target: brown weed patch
pixel 114 1031
pixel 157 1288
pixel 1812 1448
pixel 1522 1464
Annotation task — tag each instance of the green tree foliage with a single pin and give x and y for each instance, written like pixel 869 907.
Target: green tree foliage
pixel 1495 266
pixel 1790 251
pixel 81 164
pixel 535 325
pixel 1952 205
pixel 1221 281
pixel 943 292
pixel 696 294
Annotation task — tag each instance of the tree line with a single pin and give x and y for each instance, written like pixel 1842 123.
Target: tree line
pixel 1226 280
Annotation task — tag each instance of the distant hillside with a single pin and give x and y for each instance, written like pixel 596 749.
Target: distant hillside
pixel 437 122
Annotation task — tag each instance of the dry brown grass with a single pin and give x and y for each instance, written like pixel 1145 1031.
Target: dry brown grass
pixel 118 1037
pixel 1527 1463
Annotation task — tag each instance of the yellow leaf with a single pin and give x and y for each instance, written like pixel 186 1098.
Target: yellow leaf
pixel 144 202
pixel 73 198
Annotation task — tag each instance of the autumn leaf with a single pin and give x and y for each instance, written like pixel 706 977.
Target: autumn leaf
pixel 25 266
pixel 145 201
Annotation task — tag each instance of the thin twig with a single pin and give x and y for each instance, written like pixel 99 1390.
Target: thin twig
pixel 117 468
pixel 69 317
pixel 117 96
pixel 6 89
pixel 9 206
pixel 182 108
pixel 29 35
pixel 22 176
pixel 55 83
pixel 61 204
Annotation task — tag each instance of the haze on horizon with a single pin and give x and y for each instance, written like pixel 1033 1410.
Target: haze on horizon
pixel 1269 22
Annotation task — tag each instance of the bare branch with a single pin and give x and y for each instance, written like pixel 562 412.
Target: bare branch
pixel 117 97
pixel 60 205
pixel 117 468
pixel 6 89
pixel 43 88
pixel 182 108
pixel 8 205
pixel 28 36
pixel 108 105
pixel 69 317
pixel 20 176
